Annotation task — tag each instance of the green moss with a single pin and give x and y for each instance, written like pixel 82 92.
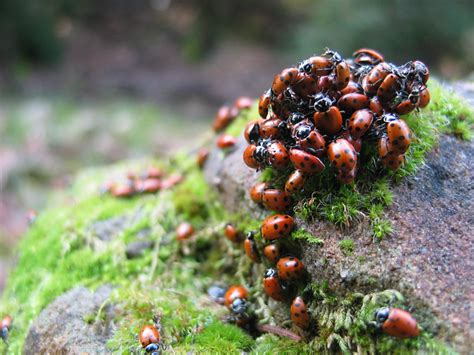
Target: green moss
pixel 237 126
pixel 301 234
pixel 347 246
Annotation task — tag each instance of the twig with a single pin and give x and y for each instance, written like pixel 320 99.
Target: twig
pixel 267 328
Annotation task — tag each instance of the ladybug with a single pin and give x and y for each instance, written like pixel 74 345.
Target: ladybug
pixel 388 88
pixel 405 107
pixel 225 115
pixel 342 155
pixel 273 286
pixel 353 102
pixel 355 142
pixel 295 182
pixel 184 231
pixel 419 71
pixel 330 121
pixel 424 98
pixel 352 87
pixel 226 141
pixel 272 252
pixel 5 327
pixel 171 181
pixel 325 83
pixel 343 75
pixel 360 122
pixel 306 162
pixel 263 104
pixel 252 131
pixel 239 307
pixel 277 200
pixel 346 177
pixel 123 190
pixel 393 161
pixel 277 226
pixel 150 185
pixel 243 103
pixel 283 80
pixel 234 292
pixel 305 85
pixel 249 157
pixel 202 156
pixel 375 106
pixel 317 65
pixel 398 134
pixel 232 233
pixel 270 128
pixel 251 249
pixel 278 155
pixel 397 322
pixel 299 313
pixel 217 293
pixel 256 191
pixel 313 140
pixel 290 268
pixel 374 78
pixel 150 339
pixel 367 56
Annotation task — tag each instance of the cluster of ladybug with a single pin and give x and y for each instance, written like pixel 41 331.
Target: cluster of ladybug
pixel 150 181
pixel 327 107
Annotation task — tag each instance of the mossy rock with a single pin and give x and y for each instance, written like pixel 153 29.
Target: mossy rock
pixel 82 239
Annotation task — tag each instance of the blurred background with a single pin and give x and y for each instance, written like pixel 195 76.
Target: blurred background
pixel 91 82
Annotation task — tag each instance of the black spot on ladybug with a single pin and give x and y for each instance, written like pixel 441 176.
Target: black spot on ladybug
pixel 275 226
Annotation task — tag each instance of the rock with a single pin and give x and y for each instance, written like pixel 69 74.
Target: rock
pixel 109 229
pixel 429 256
pixel 136 249
pixel 61 328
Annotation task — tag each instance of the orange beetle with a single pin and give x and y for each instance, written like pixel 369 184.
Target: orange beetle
pixel 276 200
pixel 202 156
pixel 226 141
pixel 272 252
pixel 243 103
pixel 184 231
pixel 277 226
pixel 231 233
pixel 234 292
pixel 342 155
pixel 149 338
pixel 397 322
pixel 251 249
pixel 256 191
pixel 299 313
pixel 272 285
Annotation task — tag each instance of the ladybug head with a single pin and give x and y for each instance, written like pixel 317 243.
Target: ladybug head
pixel 414 96
pixel 152 348
pixel 303 130
pixel 270 273
pixel 322 102
pixel 296 117
pixel 389 117
pixel 381 315
pixel 254 134
pixel 335 57
pixel 305 67
pixel 4 334
pixel 239 306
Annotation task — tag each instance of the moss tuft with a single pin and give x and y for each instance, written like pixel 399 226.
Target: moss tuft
pixel 347 246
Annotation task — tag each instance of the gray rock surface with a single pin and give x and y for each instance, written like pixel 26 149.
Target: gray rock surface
pixel 428 257
pixel 61 328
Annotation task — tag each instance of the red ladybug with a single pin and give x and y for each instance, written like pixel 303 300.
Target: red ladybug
pixel 226 141
pixel 149 338
pixel 360 122
pixel 283 80
pixel 171 181
pixel 355 142
pixel 342 155
pixel 353 102
pixel 277 226
pixel 252 131
pixel 234 292
pixel 202 156
pixel 249 156
pixel 184 231
pixel 277 200
pixel 375 106
pixel 263 104
pixel 343 75
pixel 272 252
pixel 251 249
pixel 272 285
pixel 372 81
pixel 305 85
pixel 312 141
pixel 330 121
pixel 397 322
pixel 399 135
pixel 270 128
pixel 278 155
pixel 367 56
pixel 388 88
pixel 352 87
pixel 243 103
pixel 150 185
pixel 295 182
pixel 225 115
pixel 5 327
pixel 123 190
pixel 306 162
pixel 424 98
pixel 317 65
pixel 290 268
pixel 393 161
pixel 232 233
pixel 256 191
pixel 299 313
